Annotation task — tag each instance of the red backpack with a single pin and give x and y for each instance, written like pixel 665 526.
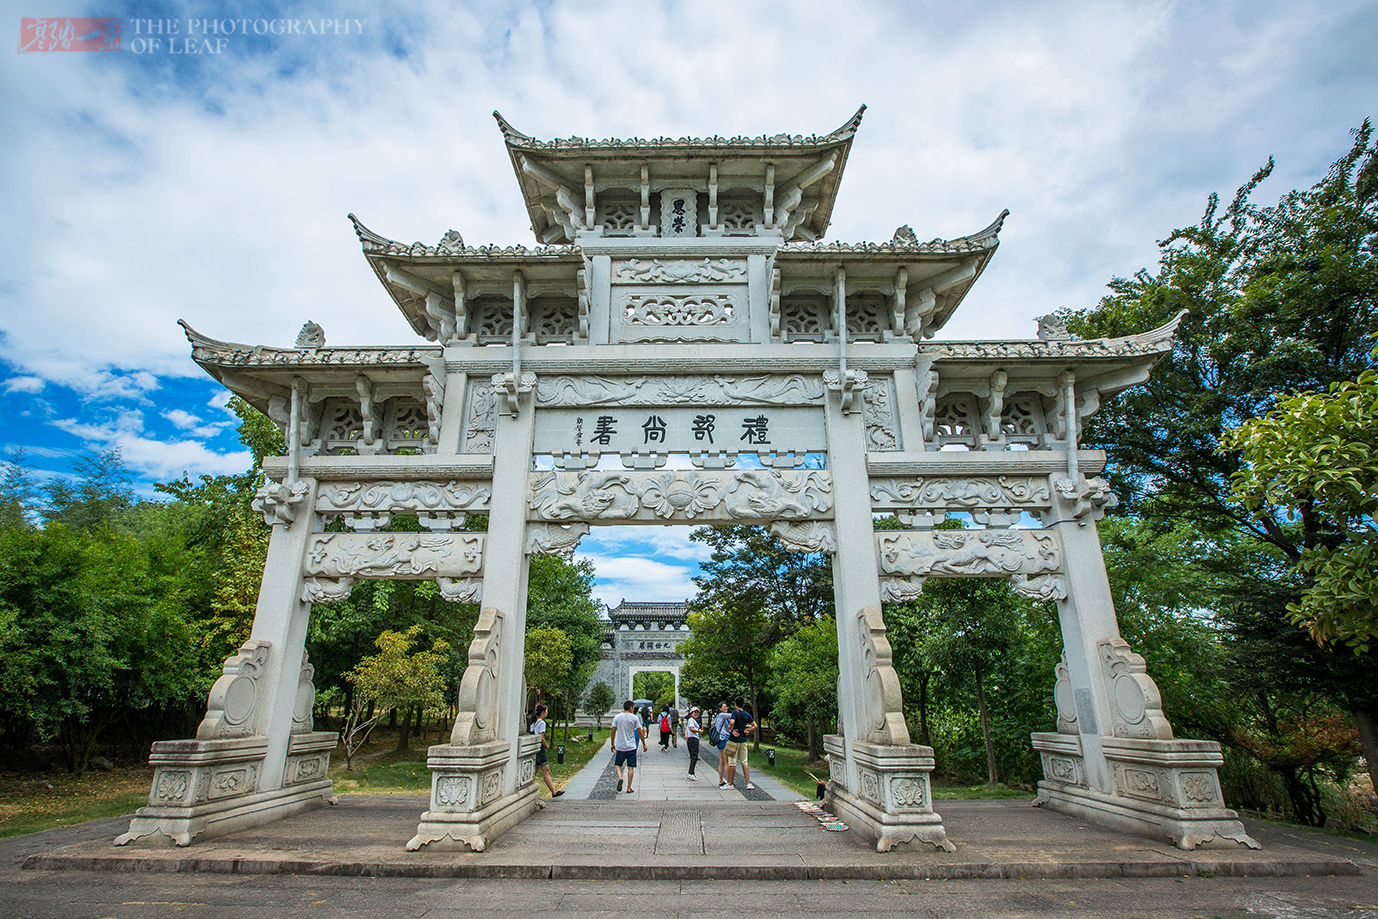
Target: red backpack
pixel 665 722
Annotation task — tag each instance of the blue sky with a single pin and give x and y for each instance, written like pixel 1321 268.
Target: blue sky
pixel 140 188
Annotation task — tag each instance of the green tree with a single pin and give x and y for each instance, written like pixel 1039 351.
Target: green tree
pixel 600 701
pixel 103 487
pixel 804 677
pixel 1279 299
pixel 729 641
pixel 750 568
pixel 393 678
pixel 548 661
pixel 17 491
pixel 560 596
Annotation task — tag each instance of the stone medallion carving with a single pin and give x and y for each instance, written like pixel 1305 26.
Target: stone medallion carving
pixel 452 791
pixel 476 714
pixel 234 697
pixel 1135 706
pixel 909 791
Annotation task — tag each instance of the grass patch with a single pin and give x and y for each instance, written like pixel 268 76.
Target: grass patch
pixel 792 768
pixel 33 803
pixel 978 792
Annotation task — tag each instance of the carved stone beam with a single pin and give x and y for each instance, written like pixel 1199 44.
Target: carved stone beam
pixel 418 285
pixel 571 210
pixel 590 210
pixel 897 309
pixel 968 553
pixel 364 386
pixel 645 199
pixel 461 305
pixel 712 196
pixel 399 556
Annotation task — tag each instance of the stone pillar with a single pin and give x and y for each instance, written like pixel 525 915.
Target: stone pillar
pixel 878 780
pixel 483 780
pixel 255 757
pixel 1113 760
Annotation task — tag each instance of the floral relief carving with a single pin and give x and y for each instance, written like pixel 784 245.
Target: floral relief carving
pixel 908 792
pixel 492 786
pixel 1142 783
pixel 482 423
pixel 961 493
pixel 870 786
pixel 678 271
pixel 527 773
pixel 1062 769
pixel 1198 787
pixel 172 786
pixel 689 495
pixel 668 310
pixel 880 425
pixel 400 497
pixel 452 791
pixel 972 552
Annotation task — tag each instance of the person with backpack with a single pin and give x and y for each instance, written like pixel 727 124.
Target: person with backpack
pixel 740 726
pixel 664 731
pixel 718 738
pixel 674 727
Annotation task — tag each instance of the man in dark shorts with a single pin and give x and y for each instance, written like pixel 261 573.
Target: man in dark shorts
pixel 627 734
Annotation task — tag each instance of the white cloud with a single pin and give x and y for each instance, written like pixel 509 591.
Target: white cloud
pixel 24 384
pixel 151 458
pixel 643 563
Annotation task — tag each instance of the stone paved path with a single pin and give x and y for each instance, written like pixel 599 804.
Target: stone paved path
pixel 663 776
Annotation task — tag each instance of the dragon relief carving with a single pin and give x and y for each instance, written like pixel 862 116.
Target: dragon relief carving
pixel 1039 587
pixel 461 590
pixel 812 536
pixel 574 392
pixel 553 539
pixel 326 590
pixel 476 709
pixel 393 555
pixel 767 493
pixel 971 552
pixel 588 495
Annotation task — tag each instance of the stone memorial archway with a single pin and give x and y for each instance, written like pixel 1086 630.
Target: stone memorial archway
pixel 681 305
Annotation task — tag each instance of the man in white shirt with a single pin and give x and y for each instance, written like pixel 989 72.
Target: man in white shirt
pixel 627 733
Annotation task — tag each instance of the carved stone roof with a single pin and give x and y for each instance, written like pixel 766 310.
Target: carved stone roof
pixel 649 613
pixel 631 146
pixel 986 240
pixel 208 352
pixel 375 245
pixel 552 171
pixel 1156 343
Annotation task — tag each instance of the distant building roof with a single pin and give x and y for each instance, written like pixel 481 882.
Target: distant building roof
pixel 649 613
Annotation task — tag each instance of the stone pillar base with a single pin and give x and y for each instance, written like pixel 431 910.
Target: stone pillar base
pixel 468 807
pixel 894 804
pixel 1163 789
pixel 210 787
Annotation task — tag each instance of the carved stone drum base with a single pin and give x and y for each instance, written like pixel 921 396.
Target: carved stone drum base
pixel 1163 789
pixel 210 787
pixel 468 807
pixel 894 804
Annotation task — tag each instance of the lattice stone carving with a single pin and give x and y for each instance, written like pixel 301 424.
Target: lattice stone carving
pixel 1021 420
pixel 803 318
pixel 619 218
pixel 408 425
pixel 555 319
pixel 476 710
pixel 738 218
pixel 234 697
pixel 492 319
pixel 866 316
pixel 342 427
pixel 955 420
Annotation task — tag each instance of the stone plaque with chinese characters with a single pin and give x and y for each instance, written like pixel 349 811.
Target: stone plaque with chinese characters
pixel 680 429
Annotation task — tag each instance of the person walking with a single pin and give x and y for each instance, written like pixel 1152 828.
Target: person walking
pixel 721 722
pixel 542 759
pixel 664 731
pixel 627 733
pixel 674 726
pixel 740 730
pixel 692 732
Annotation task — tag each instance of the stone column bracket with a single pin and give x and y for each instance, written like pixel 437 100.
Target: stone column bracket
pixel 468 808
pixel 1163 788
pixel 893 804
pixel 511 389
pixel 277 502
pixel 847 384
pixel 1085 496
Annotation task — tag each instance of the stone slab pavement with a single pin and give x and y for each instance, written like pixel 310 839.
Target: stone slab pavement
pixel 664 776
